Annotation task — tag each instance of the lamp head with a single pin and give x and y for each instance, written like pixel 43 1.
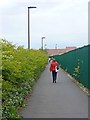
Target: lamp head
pixel 43 37
pixel 32 7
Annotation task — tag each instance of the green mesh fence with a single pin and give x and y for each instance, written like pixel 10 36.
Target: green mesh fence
pixel 75 63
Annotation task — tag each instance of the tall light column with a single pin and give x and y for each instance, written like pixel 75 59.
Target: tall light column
pixel 29 26
pixel 42 42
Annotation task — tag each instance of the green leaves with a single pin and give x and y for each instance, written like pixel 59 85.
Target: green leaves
pixel 20 69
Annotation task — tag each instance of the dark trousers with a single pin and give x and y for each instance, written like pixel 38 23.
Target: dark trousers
pixel 54 75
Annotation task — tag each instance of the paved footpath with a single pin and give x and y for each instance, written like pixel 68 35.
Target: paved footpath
pixel 63 99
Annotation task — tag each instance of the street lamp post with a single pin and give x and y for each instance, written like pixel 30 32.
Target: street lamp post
pixel 42 42
pixel 29 27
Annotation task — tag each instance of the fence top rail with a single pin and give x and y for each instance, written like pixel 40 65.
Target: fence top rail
pixel 86 46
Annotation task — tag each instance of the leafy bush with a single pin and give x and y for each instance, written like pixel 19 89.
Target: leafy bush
pixel 20 69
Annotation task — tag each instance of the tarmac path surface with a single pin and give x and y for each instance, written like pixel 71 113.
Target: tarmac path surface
pixel 63 99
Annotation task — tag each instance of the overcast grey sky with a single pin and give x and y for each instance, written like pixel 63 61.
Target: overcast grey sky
pixel 62 22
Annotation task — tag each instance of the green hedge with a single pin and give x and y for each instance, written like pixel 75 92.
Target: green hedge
pixel 21 68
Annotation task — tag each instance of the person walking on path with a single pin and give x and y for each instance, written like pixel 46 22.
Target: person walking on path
pixel 53 69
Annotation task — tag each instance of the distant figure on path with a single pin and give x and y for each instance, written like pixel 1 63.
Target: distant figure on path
pixel 49 59
pixel 53 68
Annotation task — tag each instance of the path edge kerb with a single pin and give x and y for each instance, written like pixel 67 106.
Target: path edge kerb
pixel 84 89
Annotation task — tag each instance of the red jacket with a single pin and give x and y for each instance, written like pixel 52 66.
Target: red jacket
pixel 53 66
